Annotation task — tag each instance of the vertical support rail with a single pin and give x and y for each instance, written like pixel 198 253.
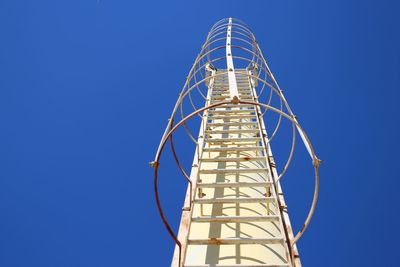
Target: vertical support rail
pixel 285 224
pixel 180 252
pixel 234 93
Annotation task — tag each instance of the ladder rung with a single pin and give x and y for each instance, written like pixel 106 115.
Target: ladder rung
pixel 239 265
pixel 231 117
pixel 225 88
pixel 233 131
pixel 236 106
pixel 226 85
pixel 244 139
pixel 227 219
pixel 243 170
pixel 234 200
pixel 213 101
pixel 223 149
pixel 226 93
pixel 236 159
pixel 231 111
pixel 235 184
pixel 235 240
pixel 238 79
pixel 219 124
pixel 219 98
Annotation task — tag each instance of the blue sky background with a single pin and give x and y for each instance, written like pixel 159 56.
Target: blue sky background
pixel 85 90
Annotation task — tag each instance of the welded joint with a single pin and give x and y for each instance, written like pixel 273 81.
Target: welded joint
pixel 316 162
pixel 235 100
pixel 154 164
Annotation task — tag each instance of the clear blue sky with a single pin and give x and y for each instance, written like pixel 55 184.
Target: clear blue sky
pixel 75 187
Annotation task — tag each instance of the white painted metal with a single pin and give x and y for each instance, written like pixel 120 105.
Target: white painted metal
pixel 238 241
pixel 234 149
pixel 242 219
pixel 233 90
pixel 248 183
pixel 256 200
pixel 239 265
pixel 241 170
pixel 234 213
pixel 233 159
pixel 233 184
pixel 224 140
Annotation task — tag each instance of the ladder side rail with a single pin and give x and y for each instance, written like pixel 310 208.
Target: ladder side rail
pixel 187 210
pixel 263 135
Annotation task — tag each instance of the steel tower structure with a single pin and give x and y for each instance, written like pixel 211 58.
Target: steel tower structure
pixel 234 212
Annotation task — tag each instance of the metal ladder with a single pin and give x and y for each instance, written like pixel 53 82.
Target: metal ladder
pixel 236 213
